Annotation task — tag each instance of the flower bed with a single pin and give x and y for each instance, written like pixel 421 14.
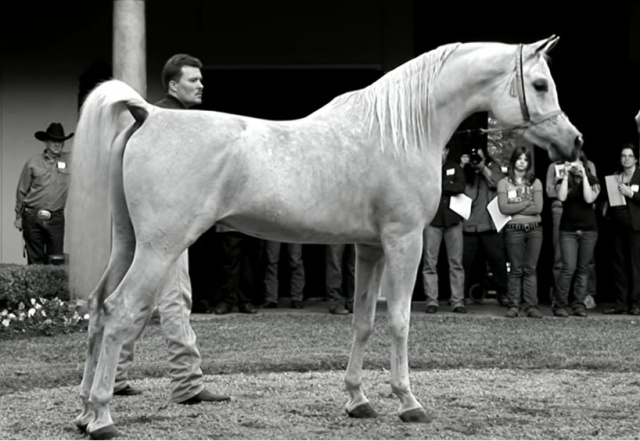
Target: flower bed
pixel 35 299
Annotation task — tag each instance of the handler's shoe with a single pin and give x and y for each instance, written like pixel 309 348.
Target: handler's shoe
pixel 560 312
pixel 127 391
pixel 205 395
pixel 513 313
pixel 534 313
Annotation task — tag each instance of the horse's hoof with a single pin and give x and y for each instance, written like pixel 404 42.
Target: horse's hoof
pixel 106 432
pixel 415 416
pixel 363 411
pixel 82 427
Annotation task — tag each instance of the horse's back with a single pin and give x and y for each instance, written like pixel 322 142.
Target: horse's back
pixel 301 180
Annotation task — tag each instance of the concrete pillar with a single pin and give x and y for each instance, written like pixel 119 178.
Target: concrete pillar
pixel 129 44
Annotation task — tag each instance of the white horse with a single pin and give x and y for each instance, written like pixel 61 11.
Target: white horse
pixel 363 169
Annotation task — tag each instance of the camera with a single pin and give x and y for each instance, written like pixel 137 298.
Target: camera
pixel 474 156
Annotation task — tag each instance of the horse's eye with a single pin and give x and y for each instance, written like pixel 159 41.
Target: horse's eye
pixel 541 86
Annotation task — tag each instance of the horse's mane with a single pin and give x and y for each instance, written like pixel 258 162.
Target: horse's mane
pixel 400 104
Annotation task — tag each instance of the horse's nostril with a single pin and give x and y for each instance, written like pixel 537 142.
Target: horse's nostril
pixel 579 141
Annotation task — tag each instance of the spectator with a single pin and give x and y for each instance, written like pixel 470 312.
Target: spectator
pixel 577 192
pixel 182 80
pixel 482 243
pixel 340 286
pixel 552 179
pixel 625 229
pixel 235 249
pixel 294 251
pixel 41 196
pixel 448 224
pixel 520 196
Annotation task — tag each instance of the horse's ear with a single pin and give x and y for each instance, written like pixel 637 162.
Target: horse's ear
pixel 545 45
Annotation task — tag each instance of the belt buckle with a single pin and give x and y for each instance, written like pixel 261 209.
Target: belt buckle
pixel 44 214
pixel 526 227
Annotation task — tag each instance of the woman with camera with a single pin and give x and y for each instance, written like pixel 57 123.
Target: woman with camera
pixel 520 196
pixel 577 190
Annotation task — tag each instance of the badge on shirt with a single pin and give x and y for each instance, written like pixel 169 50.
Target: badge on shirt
pixel 62 165
pixel 504 169
pixel 635 188
pixel 512 194
pixel 450 172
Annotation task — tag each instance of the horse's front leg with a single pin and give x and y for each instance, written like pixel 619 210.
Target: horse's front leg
pixel 402 257
pixel 369 264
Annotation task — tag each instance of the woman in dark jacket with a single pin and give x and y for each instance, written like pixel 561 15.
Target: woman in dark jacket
pixel 625 230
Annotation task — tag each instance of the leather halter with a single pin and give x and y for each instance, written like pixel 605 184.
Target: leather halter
pixel 518 85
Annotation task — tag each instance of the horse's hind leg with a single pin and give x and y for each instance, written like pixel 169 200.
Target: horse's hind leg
pixel 402 257
pixel 116 269
pixel 369 265
pixel 134 297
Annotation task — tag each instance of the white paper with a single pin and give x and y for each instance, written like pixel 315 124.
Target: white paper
pixel 615 197
pixel 560 171
pixel 461 204
pixel 499 219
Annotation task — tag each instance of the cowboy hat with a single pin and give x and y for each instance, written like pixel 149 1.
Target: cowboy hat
pixel 55 132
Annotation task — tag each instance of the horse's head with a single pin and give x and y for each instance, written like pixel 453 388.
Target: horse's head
pixel 529 102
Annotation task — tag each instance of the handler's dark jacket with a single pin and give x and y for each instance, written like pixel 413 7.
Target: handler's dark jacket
pixel 170 102
pixel 453 182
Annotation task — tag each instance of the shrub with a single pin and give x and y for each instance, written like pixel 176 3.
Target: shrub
pixel 34 299
pixel 21 283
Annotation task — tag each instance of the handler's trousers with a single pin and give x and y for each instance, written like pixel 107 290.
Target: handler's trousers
pixel 174 306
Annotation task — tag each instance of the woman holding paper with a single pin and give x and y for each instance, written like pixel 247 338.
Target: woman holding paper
pixel 625 228
pixel 520 196
pixel 577 190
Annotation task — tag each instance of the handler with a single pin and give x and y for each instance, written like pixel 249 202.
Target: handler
pixel 182 80
pixel 41 196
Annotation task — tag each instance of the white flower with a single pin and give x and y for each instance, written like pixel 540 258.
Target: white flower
pixel 5 322
pixel 21 306
pixel 4 313
pixel 12 315
pixel 31 312
pixel 44 314
pixel 22 316
pixel 38 306
pixel 33 301
pixel 86 316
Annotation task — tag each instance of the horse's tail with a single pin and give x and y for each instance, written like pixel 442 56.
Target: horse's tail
pixel 104 115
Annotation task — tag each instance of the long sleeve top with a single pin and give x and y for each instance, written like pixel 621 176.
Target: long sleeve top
pixel 43 183
pixel 512 200
pixel 453 183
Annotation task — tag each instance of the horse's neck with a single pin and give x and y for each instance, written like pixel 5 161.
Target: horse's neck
pixel 466 83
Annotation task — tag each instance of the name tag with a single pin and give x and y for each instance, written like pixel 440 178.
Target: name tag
pixel 450 172
pixel 511 194
pixel 62 165
pixel 635 188
pixel 504 169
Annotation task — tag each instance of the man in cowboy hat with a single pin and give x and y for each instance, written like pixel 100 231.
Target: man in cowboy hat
pixel 41 196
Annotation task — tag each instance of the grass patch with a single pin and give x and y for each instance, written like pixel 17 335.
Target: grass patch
pixel 319 342
pixel 481 377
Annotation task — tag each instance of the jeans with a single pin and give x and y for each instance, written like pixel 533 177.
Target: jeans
pixel 577 252
pixel 340 294
pixel 294 250
pixel 478 248
pixel 556 215
pixel 42 238
pixel 523 250
pixel 625 265
pixel 430 251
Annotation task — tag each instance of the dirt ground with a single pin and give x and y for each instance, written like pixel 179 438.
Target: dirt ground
pixel 464 404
